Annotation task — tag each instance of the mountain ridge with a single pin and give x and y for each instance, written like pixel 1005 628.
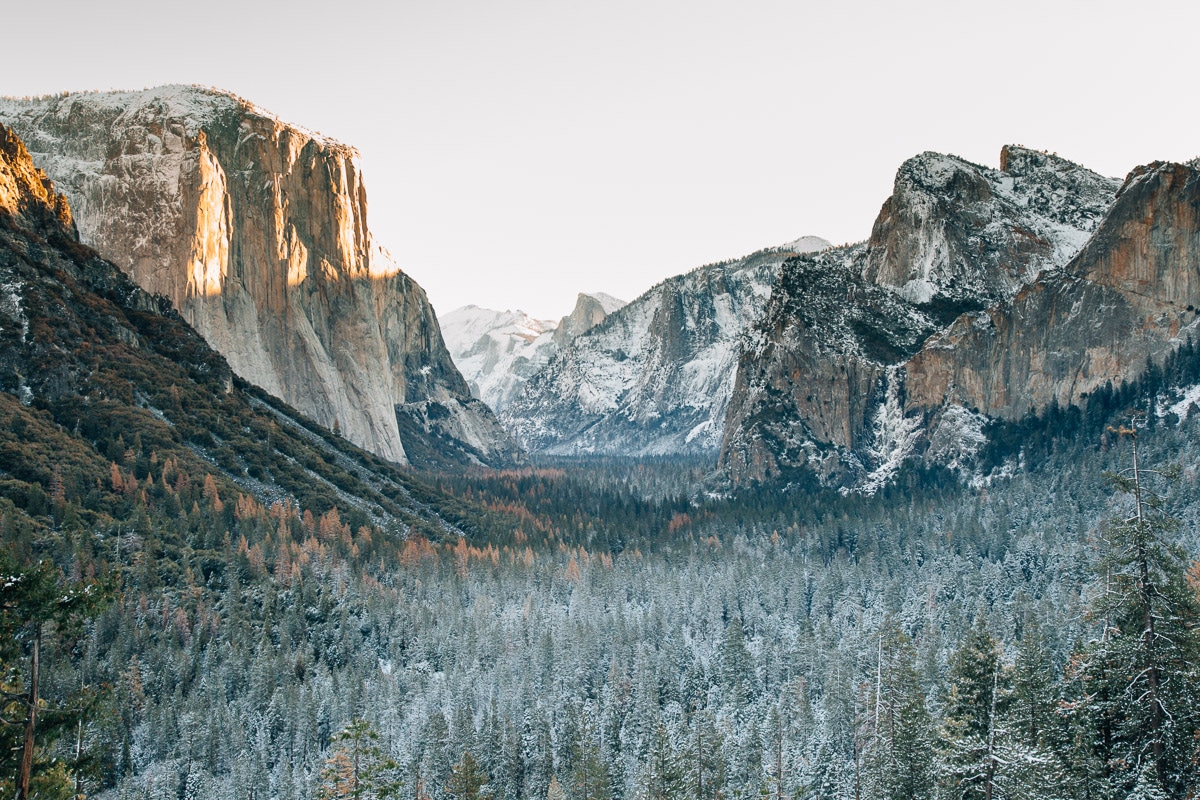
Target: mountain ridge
pixel 820 377
pixel 655 376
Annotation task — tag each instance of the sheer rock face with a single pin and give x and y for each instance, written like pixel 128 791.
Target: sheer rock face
pixel 590 310
pixel 1129 296
pixel 655 376
pixel 820 385
pixel 813 369
pixel 257 232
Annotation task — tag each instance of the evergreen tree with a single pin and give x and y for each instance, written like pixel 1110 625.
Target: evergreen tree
pixel 467 780
pixel 358 768
pixel 40 614
pixel 1140 674
pixel 589 774
pixel 664 777
pixel 737 665
pixel 899 741
pixel 971 729
pixel 705 762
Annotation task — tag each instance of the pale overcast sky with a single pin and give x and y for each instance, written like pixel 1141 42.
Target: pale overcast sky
pixel 518 152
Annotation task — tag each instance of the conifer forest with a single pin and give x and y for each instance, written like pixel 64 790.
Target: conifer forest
pixel 605 631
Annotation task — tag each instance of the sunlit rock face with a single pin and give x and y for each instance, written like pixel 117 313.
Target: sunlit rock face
pixel 257 232
pixel 821 382
pixel 1126 299
pixel 27 193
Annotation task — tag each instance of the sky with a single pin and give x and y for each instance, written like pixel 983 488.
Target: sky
pixel 517 152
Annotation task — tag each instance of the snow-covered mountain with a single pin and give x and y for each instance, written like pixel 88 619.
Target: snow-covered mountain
pixel 820 385
pixel 498 351
pixel 655 377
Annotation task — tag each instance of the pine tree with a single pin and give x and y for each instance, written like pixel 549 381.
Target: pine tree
pixel 705 762
pixel 40 613
pixel 664 773
pixel 971 730
pixel 467 780
pixel 1141 687
pixel 589 775
pixel 737 665
pixel 899 758
pixel 358 768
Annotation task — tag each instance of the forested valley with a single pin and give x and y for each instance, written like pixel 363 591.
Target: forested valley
pixel 618 630
pixel 205 594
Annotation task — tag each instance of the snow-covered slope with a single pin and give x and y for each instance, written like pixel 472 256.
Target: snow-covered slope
pixel 655 377
pixel 960 233
pixel 498 351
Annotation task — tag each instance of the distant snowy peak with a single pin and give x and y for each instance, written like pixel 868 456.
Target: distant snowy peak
pixel 497 351
pixel 463 327
pixel 805 244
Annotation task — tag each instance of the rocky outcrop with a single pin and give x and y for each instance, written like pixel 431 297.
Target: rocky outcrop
pixel 257 231
pixel 820 386
pixel 27 194
pixel 590 310
pixel 959 234
pixel 1128 297
pixel 498 351
pixel 654 377
pixel 813 369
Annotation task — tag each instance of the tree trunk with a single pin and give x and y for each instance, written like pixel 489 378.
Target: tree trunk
pixel 30 722
pixel 1147 591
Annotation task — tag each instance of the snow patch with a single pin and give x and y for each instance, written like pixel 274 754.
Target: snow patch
pixel 895 435
pixel 957 438
pixel 806 244
pixel 1189 397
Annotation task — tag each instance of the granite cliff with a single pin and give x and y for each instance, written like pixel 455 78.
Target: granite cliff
pixel 821 384
pixel 115 408
pixel 256 230
pixel 1128 298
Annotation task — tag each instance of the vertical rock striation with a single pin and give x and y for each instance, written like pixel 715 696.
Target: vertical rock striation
pixel 257 231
